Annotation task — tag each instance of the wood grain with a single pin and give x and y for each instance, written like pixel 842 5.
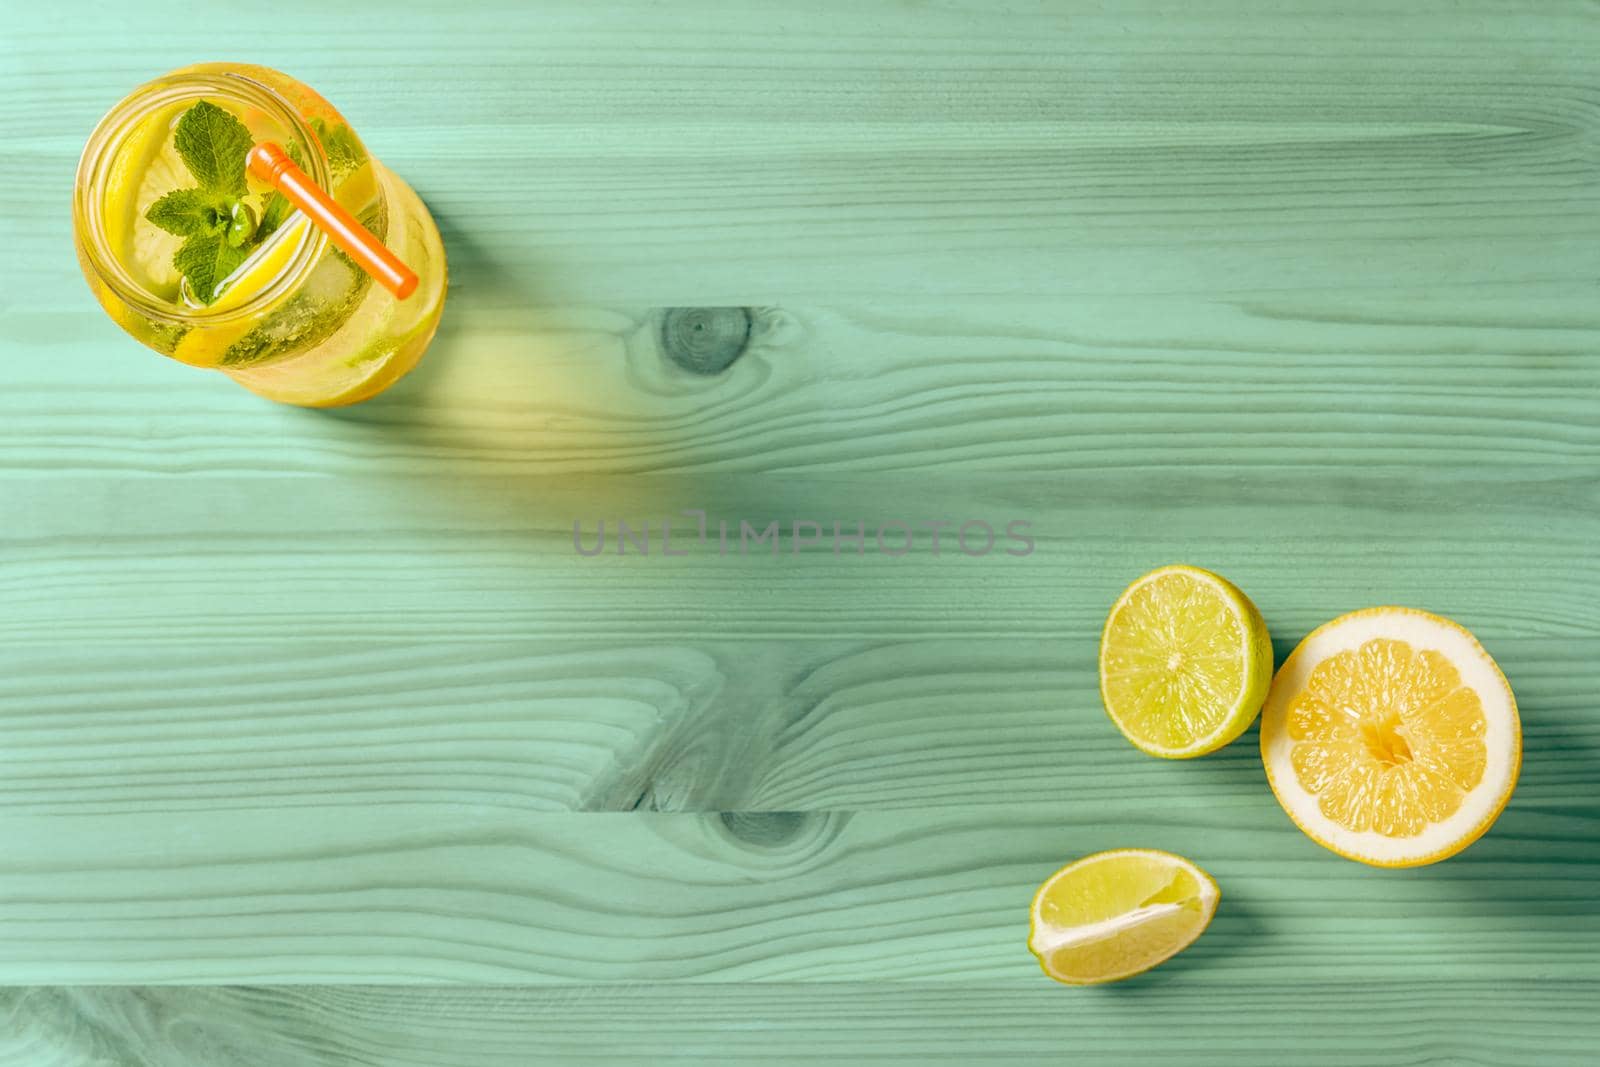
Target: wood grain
pixel 702 155
pixel 377 558
pixel 596 726
pixel 1304 294
pixel 398 892
pixel 1311 1024
pixel 1323 384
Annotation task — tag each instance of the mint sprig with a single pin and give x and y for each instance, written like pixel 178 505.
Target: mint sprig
pixel 188 211
pixel 213 145
pixel 220 227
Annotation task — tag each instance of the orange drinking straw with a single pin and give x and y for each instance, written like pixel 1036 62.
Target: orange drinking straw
pixel 272 165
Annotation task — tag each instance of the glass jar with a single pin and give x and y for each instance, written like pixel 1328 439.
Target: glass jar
pixel 297 321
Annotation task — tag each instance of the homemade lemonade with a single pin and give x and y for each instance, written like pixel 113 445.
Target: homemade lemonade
pixel 196 257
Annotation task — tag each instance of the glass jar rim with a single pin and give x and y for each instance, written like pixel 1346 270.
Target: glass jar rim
pixel 109 135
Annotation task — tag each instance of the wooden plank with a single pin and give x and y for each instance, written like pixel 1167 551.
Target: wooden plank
pixel 1165 1016
pixel 698 154
pixel 590 725
pixel 1325 384
pixel 404 892
pixel 209 560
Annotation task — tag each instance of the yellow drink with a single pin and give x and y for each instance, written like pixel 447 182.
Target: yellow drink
pixel 292 318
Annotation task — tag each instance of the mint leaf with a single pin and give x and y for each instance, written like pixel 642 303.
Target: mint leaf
pixel 213 145
pixel 187 212
pixel 344 152
pixel 206 259
pixel 278 208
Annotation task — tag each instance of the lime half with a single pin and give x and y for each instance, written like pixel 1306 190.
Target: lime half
pixel 1185 662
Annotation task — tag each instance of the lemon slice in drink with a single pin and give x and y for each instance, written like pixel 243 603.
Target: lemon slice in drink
pixel 1185 661
pixel 1115 914
pixel 1391 737
pixel 206 346
pixel 144 169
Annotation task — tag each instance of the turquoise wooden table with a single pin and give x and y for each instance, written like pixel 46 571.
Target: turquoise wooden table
pixel 321 744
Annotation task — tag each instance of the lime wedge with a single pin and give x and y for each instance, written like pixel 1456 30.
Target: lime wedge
pixel 1115 914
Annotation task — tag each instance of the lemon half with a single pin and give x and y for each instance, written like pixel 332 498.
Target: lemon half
pixel 1185 662
pixel 1391 737
pixel 1115 914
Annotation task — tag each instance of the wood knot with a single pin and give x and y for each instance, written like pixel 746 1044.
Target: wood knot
pixel 765 829
pixel 705 340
